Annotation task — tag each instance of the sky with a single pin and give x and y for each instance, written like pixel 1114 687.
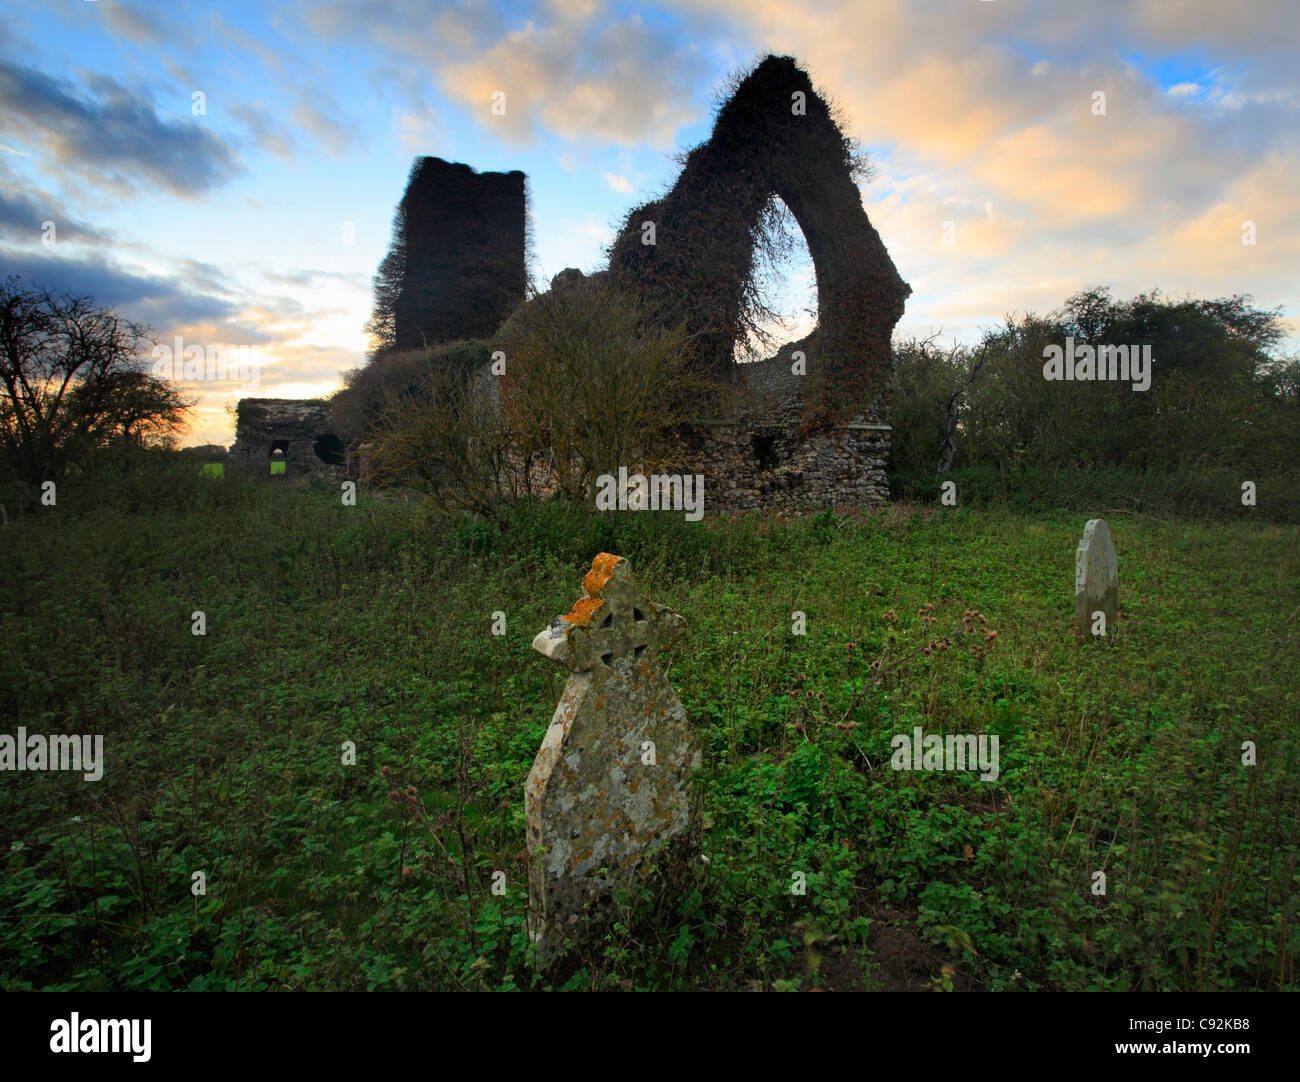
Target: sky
pixel 227 172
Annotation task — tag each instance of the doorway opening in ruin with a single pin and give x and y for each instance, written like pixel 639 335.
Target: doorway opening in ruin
pixel 784 284
pixel 279 455
pixel 765 452
pixel 329 449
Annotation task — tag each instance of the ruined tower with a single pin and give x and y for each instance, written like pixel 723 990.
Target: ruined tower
pixel 460 240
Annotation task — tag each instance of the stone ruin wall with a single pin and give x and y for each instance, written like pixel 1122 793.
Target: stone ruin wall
pixel 844 467
pixel 792 447
pixel 774 137
pixel 840 467
pixel 300 427
pixel 801 441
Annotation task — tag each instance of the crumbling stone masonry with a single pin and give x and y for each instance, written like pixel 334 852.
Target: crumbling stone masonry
pixel 812 429
pixel 762 455
pixel 297 429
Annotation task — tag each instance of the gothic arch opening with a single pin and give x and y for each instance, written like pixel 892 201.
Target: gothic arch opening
pixel 784 286
pixel 775 136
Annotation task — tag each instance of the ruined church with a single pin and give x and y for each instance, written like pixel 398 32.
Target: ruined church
pixel 812 427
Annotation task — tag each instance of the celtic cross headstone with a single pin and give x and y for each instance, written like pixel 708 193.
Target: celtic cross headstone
pixel 609 788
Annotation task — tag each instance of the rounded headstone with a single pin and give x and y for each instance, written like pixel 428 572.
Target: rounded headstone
pixel 1096 581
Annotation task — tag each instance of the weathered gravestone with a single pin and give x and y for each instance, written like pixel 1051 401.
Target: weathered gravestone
pixel 1096 581
pixel 609 788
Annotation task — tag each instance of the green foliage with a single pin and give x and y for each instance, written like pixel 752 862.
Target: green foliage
pixel 371 624
pixel 1209 494
pixel 1219 393
pixel 400 375
pixel 592 385
pixel 450 444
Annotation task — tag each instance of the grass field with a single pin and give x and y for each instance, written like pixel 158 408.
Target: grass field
pixel 372 624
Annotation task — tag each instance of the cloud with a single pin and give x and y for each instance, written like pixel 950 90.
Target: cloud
pixel 336 133
pixel 618 182
pixel 589 228
pixel 246 43
pixel 320 365
pixel 160 301
pixel 23 214
pixel 113 138
pixel 977 106
pixel 265 132
pixel 144 27
pixel 571 68
pixel 416 131
pixel 309 277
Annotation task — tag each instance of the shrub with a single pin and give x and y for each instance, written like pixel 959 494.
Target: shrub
pixel 592 385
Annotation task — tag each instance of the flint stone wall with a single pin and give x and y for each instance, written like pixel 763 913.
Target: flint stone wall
pixel 763 460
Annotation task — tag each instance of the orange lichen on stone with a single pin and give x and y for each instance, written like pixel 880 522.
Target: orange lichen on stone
pixel 602 567
pixel 584 610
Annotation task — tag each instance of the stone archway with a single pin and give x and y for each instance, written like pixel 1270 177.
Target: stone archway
pixel 295 434
pixel 690 255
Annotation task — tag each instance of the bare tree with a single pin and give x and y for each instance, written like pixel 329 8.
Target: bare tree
pixel 72 380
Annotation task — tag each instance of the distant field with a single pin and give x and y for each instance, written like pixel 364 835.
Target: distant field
pixel 326 624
